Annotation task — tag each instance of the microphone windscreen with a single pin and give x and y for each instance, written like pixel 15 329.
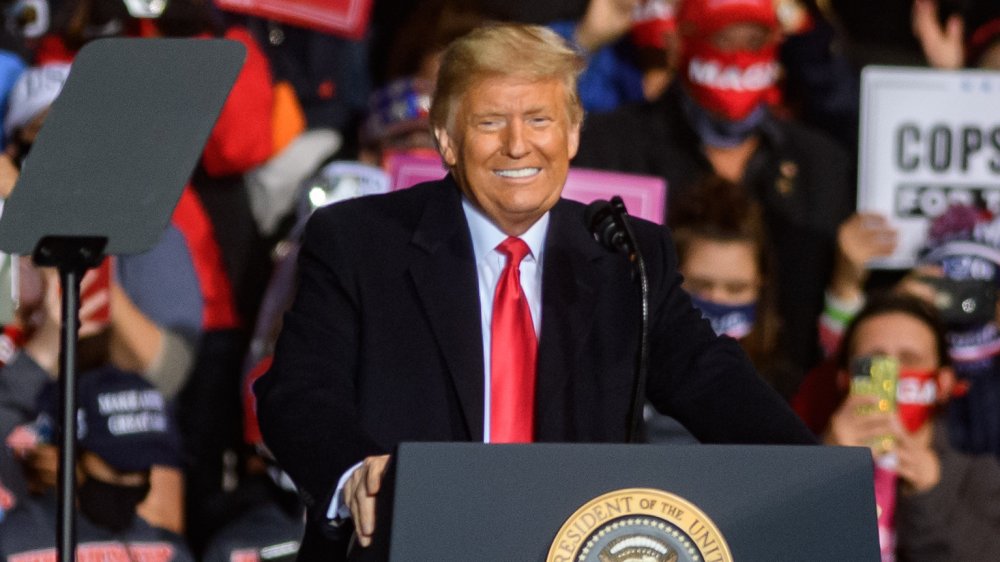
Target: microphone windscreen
pixel 601 223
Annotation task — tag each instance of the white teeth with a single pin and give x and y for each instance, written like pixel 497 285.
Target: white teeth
pixel 519 173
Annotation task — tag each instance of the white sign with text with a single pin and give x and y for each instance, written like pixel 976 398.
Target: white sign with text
pixel 929 138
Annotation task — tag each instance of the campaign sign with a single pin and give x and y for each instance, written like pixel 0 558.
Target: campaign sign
pixel 345 18
pixel 407 170
pixel 929 139
pixel 644 196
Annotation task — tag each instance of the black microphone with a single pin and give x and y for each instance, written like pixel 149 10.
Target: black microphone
pixel 608 223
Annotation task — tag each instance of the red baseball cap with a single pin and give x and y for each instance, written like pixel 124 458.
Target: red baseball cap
pixel 709 16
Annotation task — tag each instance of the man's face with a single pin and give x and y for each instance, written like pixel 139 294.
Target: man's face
pixel 510 146
pixel 743 37
pixel 723 272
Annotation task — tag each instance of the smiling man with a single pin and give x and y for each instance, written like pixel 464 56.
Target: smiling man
pixel 480 308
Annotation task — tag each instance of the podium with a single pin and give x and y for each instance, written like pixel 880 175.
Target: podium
pixel 573 502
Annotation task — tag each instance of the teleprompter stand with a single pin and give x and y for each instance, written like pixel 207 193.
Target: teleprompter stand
pixel 103 177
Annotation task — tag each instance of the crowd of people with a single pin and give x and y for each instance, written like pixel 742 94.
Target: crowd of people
pixel 748 109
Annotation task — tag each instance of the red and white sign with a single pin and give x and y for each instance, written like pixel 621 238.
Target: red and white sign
pixel 345 18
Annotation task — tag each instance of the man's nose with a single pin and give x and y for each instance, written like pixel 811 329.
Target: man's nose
pixel 515 143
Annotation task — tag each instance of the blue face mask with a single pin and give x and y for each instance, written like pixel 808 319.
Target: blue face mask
pixel 718 133
pixel 734 321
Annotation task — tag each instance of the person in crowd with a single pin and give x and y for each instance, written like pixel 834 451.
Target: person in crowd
pixel 956 272
pixel 214 220
pixel 395 335
pixel 724 257
pixel 942 44
pixel 235 264
pixel 35 365
pixel 862 238
pixel 820 83
pixel 943 499
pixel 723 254
pixel 329 75
pixel 959 265
pixel 125 430
pixel 269 527
pixel 715 119
pixel 654 34
pixel 728 269
pixel 612 76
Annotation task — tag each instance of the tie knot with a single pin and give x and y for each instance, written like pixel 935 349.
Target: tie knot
pixel 514 248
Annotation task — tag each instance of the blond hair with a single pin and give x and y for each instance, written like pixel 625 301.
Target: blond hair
pixel 527 51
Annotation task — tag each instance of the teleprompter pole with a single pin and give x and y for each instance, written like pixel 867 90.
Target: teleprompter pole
pixel 72 256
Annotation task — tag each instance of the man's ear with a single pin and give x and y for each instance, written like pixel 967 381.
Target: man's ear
pixel 573 139
pixel 446 146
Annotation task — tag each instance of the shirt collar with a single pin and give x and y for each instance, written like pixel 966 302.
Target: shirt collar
pixel 486 236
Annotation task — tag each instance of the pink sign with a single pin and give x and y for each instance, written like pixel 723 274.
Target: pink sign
pixel 345 18
pixel 644 196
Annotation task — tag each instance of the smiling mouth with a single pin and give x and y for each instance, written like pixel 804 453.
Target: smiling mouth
pixel 518 173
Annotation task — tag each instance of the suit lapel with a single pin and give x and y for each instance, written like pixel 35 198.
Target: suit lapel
pixel 445 277
pixel 571 279
pixel 444 273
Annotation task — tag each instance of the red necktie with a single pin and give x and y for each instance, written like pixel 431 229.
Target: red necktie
pixel 512 354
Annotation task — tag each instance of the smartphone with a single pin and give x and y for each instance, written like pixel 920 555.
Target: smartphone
pixel 966 301
pixel 877 376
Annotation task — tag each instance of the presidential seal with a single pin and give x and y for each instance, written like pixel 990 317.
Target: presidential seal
pixel 639 525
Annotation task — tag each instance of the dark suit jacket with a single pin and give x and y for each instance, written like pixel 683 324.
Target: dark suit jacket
pixel 383 343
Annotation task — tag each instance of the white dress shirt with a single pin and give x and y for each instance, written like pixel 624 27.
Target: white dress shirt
pixel 489 265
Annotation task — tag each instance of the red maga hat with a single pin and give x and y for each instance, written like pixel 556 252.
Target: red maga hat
pixel 709 16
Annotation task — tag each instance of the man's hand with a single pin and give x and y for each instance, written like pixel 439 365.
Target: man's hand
pixel 604 22
pixel 942 45
pixel 860 238
pixel 42 468
pixel 359 495
pixel 849 427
